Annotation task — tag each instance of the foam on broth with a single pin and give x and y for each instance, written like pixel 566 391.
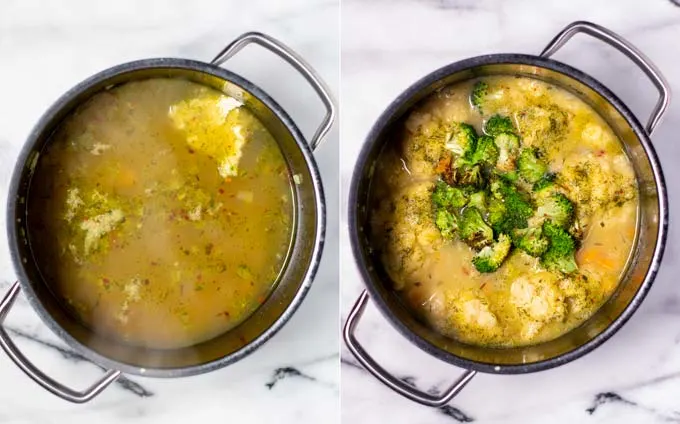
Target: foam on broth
pixel 161 213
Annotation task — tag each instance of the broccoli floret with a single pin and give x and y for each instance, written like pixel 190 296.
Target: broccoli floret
pixel 557 208
pixel 473 230
pixel 446 222
pixel 530 167
pixel 478 200
pixel 508 147
pixel 510 176
pixel 462 140
pixel 490 258
pixel 496 213
pixel 486 152
pixel 478 94
pixel 466 174
pixel 444 196
pixel 560 254
pixel 546 181
pixel 532 241
pixel 517 207
pixel 498 124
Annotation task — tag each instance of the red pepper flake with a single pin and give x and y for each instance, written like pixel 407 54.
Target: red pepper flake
pixel 482 286
pixel 191 151
pixel 600 153
pixel 242 339
pixel 221 190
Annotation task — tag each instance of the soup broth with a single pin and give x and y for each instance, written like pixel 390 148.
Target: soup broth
pixel 426 186
pixel 161 213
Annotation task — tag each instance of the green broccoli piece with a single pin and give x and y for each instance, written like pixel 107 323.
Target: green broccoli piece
pixel 466 174
pixel 508 147
pixel 446 222
pixel 478 200
pixel 498 124
pixel 530 167
pixel 546 181
pixel 445 197
pixel 496 213
pixel 531 241
pixel 486 152
pixel 490 258
pixel 462 140
pixel 510 176
pixel 473 230
pixel 517 207
pixel 479 92
pixel 557 208
pixel 560 254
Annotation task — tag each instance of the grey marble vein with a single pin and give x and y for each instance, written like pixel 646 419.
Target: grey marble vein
pixel 287 372
pixel 612 398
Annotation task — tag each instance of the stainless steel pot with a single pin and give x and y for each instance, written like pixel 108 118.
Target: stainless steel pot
pixel 649 246
pixel 307 244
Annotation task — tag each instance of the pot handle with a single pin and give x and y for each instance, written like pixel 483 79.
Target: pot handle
pixel 384 376
pixel 38 376
pixel 297 62
pixel 614 40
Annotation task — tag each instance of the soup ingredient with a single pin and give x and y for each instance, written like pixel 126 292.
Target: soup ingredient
pixel 211 129
pixel 497 125
pixel 473 230
pixel 490 258
pixel 560 254
pixel 161 213
pixel 505 212
pixel 530 167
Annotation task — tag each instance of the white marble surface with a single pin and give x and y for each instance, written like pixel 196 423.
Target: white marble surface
pixel 45 48
pixel 387 45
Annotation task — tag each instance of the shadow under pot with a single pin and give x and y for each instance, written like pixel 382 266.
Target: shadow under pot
pixel 301 254
pixel 642 265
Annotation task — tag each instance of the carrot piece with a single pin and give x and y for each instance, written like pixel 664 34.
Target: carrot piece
pixel 126 177
pixel 443 165
pixel 597 257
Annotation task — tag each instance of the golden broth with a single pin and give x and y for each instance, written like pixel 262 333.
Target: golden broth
pixel 161 213
pixel 521 303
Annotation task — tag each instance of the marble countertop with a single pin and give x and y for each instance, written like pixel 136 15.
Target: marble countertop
pixel 46 48
pixel 389 44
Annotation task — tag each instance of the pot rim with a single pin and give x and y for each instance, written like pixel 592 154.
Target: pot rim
pixel 386 118
pixel 166 63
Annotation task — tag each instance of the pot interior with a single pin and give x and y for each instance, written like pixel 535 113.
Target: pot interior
pixel 294 279
pixel 641 268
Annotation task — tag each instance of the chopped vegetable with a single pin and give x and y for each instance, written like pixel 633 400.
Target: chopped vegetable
pixel 530 167
pixel 498 124
pixel 490 258
pixel 473 230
